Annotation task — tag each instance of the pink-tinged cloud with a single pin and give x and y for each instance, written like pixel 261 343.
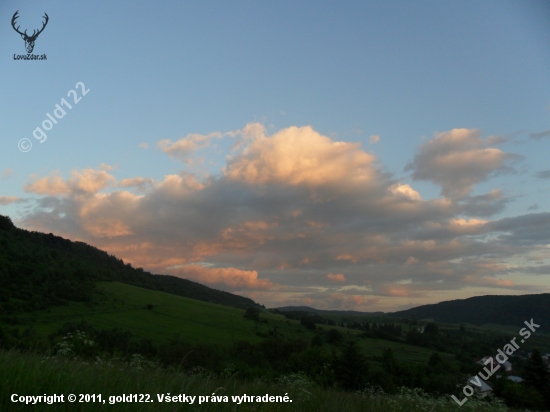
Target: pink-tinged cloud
pixel 285 218
pixel 459 159
pixel 181 149
pixel 336 277
pixel 374 138
pixel 6 174
pixel 300 156
pixel 340 300
pixel 6 200
pixel 398 291
pixel 87 181
pixel 490 282
pixel 234 279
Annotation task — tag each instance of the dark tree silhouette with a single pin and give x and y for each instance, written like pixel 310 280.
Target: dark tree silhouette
pixel 252 314
pixel 536 376
pixel 352 367
pixel 334 336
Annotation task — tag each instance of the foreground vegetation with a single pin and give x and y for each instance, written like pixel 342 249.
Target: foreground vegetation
pixel 28 374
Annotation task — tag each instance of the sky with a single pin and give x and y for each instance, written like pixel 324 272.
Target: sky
pixel 363 155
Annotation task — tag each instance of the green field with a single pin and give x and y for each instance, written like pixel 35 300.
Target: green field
pixel 125 306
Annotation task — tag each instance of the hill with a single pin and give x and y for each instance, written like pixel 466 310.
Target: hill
pixel 326 312
pixel 502 310
pixel 38 271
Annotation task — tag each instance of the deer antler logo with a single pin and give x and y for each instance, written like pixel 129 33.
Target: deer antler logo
pixel 29 40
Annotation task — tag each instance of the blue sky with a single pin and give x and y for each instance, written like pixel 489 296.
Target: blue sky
pixel 173 86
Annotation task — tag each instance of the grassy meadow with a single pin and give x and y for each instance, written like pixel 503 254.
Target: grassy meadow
pixel 125 306
pixel 28 374
pixel 160 317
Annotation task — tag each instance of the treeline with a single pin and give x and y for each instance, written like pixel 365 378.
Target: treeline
pixel 330 359
pixel 311 320
pixel 40 270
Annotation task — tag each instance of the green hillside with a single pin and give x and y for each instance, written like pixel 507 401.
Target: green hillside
pixel 118 305
pixel 124 306
pixel 39 271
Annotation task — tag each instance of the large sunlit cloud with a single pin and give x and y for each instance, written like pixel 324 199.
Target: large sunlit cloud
pixel 458 159
pixel 300 156
pixel 299 217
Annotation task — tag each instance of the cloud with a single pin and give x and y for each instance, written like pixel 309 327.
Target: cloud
pixel 288 209
pixel 406 191
pixel 336 277
pixel 6 200
pixel 6 174
pixel 53 185
pixel 543 174
pixel 540 135
pixel 139 182
pixel 87 181
pixel 484 205
pixel 299 156
pixel 458 159
pixel 235 279
pixel 181 149
pixel 143 145
pixel 411 260
pixel 374 138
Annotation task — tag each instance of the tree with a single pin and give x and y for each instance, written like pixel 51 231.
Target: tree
pixel 431 329
pixel 388 361
pixel 308 322
pixel 334 336
pixel 6 223
pixel 317 340
pixel 352 367
pixel 252 314
pixel 517 395
pixel 536 376
pixel 435 359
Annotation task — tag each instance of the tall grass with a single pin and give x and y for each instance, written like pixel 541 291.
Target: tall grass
pixel 27 374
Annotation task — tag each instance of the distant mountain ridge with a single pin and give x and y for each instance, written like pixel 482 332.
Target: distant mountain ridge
pixel 326 312
pixel 497 309
pixel 39 270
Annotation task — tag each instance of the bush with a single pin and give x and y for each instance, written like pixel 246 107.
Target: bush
pixel 252 314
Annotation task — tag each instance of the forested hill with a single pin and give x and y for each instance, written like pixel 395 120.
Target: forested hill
pixel 503 310
pixel 39 270
pixel 326 312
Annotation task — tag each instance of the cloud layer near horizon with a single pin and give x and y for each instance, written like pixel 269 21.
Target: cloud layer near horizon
pixel 299 218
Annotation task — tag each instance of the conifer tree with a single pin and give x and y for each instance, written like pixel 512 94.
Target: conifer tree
pixel 537 376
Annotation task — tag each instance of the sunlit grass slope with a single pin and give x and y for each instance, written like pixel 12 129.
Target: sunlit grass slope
pixel 125 306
